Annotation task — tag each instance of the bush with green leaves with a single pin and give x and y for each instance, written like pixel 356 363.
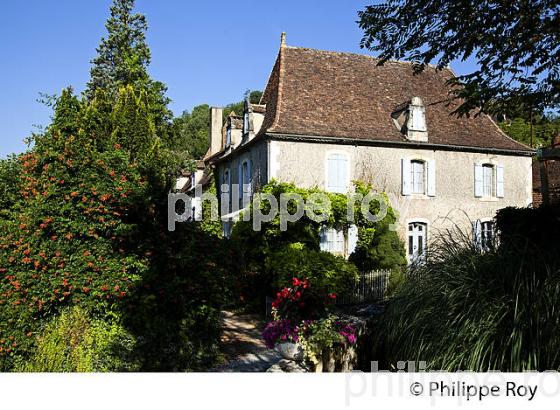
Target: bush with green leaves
pixel 270 256
pixel 326 272
pixel 91 231
pixel 464 309
pixel 74 342
pixel 85 222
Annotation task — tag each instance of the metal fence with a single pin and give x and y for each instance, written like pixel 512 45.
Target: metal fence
pixel 369 287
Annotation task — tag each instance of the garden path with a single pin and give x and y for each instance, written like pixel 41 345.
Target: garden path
pixel 242 344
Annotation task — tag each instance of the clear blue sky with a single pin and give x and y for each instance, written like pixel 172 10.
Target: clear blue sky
pixel 205 51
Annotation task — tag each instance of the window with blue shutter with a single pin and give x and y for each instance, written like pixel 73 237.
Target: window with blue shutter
pixel 488 181
pixel 337 173
pixel 331 240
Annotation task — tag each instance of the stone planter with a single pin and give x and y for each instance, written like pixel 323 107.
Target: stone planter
pixel 290 351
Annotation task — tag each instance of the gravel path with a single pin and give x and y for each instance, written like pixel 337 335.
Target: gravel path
pixel 243 346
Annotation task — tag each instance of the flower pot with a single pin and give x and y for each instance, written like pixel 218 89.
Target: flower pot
pixel 290 351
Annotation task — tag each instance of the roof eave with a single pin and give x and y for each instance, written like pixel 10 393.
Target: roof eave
pixel 396 144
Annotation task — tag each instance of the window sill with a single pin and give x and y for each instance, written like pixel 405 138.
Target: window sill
pixel 419 196
pixel 489 199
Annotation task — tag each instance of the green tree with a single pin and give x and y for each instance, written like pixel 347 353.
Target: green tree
pixel 9 185
pixel 191 128
pixel 122 60
pixel 192 131
pixel 123 56
pixel 515 44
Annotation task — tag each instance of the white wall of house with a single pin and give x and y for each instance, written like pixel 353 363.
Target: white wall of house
pixel 449 198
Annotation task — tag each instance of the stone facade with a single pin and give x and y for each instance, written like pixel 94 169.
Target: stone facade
pixel 325 113
pixel 454 202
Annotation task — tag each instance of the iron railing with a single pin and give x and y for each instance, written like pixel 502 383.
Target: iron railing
pixel 368 287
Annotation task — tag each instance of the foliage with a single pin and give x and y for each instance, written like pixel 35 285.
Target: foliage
pixel 74 342
pixel 208 225
pixel 515 45
pixel 261 251
pixel 9 185
pixel 379 247
pixel 397 279
pixel 317 335
pixel 544 131
pixel 238 107
pixel 301 301
pixel 326 272
pixel 71 240
pixel 90 227
pixel 122 61
pixel 500 303
pixel 192 129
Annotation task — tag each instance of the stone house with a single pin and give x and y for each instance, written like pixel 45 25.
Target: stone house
pixel 546 176
pixel 329 118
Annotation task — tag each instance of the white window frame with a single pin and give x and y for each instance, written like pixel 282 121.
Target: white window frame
pixel 245 182
pixel 418 181
pixel 428 177
pixel 342 189
pixel 488 180
pixel 481 228
pixel 226 180
pixel 332 240
pixel 481 188
pixel 426 227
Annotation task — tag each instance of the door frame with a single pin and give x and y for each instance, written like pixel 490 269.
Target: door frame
pixel 426 225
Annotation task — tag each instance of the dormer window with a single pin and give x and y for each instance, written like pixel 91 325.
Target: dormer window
pixel 246 117
pixel 416 127
pixel 246 122
pixel 228 134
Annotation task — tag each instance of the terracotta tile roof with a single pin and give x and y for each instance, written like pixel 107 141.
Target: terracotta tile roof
pixel 330 94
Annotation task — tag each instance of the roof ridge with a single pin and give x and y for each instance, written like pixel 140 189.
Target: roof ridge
pixel 350 53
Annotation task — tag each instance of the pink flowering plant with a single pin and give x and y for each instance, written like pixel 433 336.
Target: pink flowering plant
pixel 280 331
pixel 301 317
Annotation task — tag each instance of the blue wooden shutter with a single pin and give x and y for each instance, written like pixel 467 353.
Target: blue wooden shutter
pixel 478 180
pixel 431 164
pixel 342 174
pixel 500 181
pixel 406 181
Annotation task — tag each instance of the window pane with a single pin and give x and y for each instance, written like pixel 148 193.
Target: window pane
pixel 417 177
pixel 487 180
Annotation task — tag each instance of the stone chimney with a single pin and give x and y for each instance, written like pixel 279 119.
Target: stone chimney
pixel 216 123
pixel 416 127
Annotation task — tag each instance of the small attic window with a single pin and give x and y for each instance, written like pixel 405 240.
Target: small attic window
pixel 417 112
pixel 410 119
pixel 246 122
pixel 246 118
pixel 228 134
